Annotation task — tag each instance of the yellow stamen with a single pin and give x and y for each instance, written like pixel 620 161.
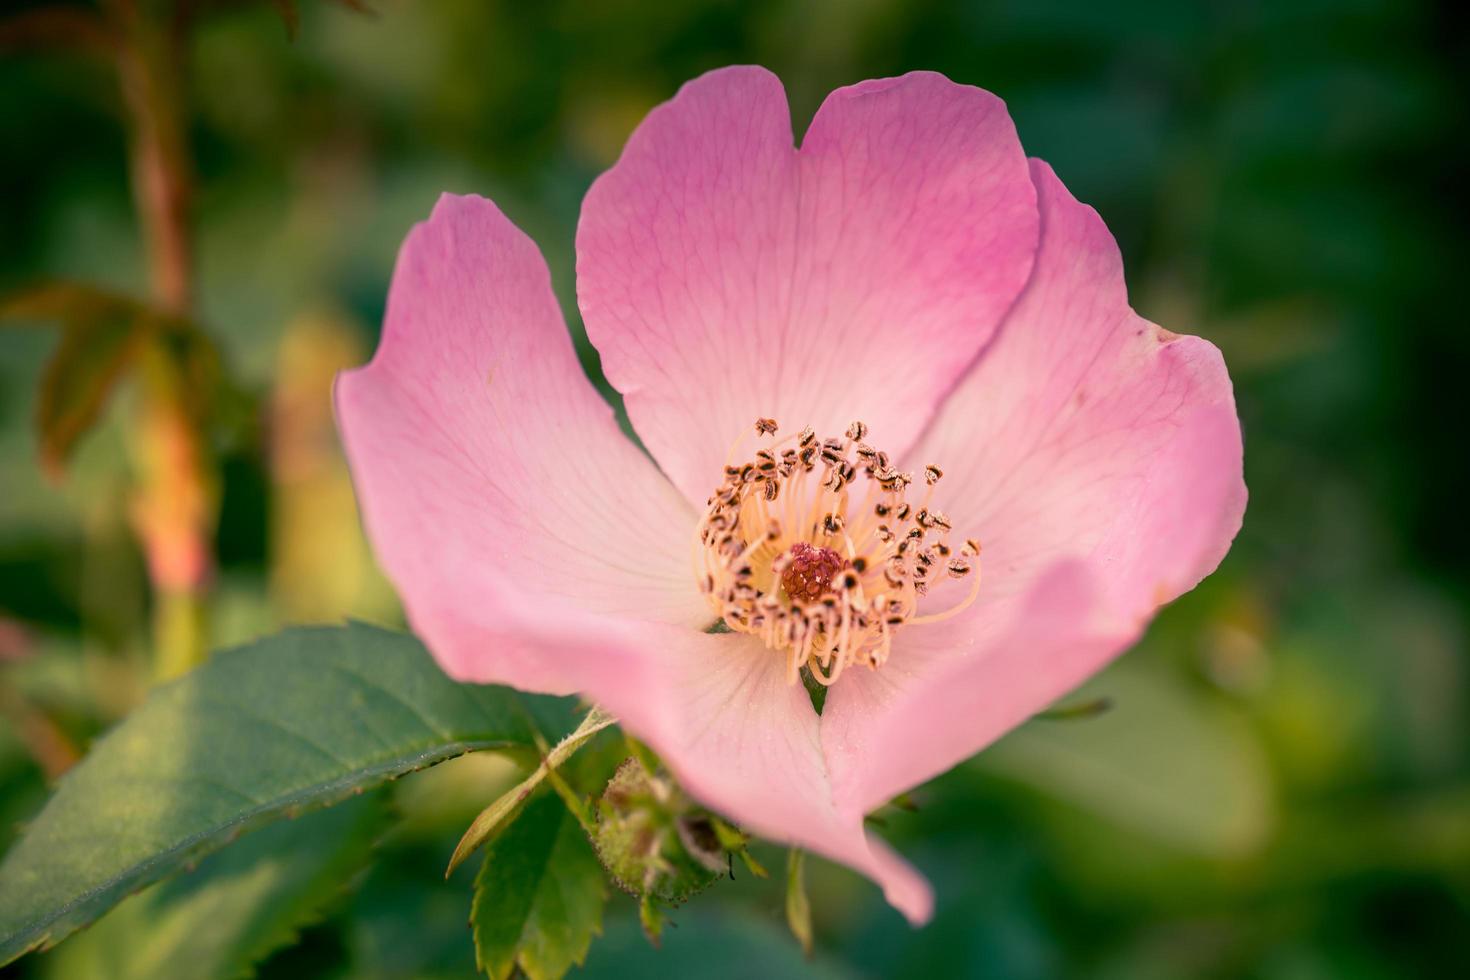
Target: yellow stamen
pixel 784 553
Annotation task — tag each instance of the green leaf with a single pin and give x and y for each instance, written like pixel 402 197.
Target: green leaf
pixel 298 720
pixel 1163 762
pixel 240 905
pixel 539 895
pixel 102 334
pixel 496 813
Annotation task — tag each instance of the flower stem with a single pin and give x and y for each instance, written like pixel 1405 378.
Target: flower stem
pixel 175 504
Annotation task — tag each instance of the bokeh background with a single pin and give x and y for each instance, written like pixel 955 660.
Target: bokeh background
pixel 1282 788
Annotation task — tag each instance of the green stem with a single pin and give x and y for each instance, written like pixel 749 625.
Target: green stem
pixel 180 619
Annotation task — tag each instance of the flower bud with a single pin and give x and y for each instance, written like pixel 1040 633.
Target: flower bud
pixel 655 842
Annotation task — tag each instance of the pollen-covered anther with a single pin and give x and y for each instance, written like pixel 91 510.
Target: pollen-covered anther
pixel 811 545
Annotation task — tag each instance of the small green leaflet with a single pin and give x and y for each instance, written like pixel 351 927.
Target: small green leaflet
pixel 798 905
pixel 539 895
pixel 496 813
pixel 298 720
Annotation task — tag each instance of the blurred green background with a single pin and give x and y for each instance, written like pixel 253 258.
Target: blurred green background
pixel 1282 789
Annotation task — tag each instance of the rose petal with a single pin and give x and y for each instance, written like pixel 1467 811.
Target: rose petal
pixel 1087 431
pixel 719 713
pixel 486 465
pixel 724 275
pixel 1098 460
pixel 949 690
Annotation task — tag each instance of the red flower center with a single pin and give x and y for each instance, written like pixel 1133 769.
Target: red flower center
pixel 809 574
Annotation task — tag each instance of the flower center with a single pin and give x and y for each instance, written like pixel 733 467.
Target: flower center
pixel 813 546
pixel 809 571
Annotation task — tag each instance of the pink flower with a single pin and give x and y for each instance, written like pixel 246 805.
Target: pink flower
pixel 909 267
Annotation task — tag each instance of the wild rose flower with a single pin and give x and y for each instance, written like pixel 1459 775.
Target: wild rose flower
pixel 854 366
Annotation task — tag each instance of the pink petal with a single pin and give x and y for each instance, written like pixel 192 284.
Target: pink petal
pixel 1097 458
pixel 951 689
pixel 1088 432
pixel 487 468
pixel 724 275
pixel 742 740
pixel 718 711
